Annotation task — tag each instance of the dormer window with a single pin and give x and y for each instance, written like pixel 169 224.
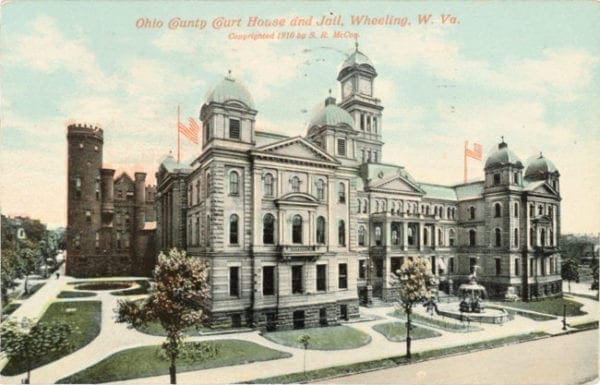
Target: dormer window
pixel 234 129
pixel 341 147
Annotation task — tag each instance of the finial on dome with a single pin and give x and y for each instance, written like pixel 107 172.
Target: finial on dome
pixel 356 43
pixel 502 137
pixel 229 74
pixel 541 156
pixel 330 92
pixel 330 99
pixel 502 144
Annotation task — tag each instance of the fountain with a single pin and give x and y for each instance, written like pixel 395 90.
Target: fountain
pixel 471 306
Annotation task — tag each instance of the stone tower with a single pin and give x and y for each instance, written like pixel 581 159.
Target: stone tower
pixel 84 197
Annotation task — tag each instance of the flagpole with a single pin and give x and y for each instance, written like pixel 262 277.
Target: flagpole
pixel 178 137
pixel 465 160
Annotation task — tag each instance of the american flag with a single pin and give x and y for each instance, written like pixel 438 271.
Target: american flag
pixel 191 131
pixel 475 153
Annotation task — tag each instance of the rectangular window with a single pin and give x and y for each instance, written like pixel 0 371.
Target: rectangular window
pixel 396 264
pixel 234 129
pixel 341 147
pixel 234 281
pixel 498 266
pixel 496 179
pixel 362 269
pixel 321 277
pixel 531 267
pixel 268 280
pixel 343 276
pixel 296 279
pixel 451 265
pixel 517 263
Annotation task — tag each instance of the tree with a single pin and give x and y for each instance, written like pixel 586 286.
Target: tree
pixel 28 341
pixel 570 271
pixel 178 300
pixel 594 274
pixel 304 339
pixel 413 287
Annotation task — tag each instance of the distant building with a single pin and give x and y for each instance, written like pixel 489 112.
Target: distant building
pixel 298 230
pixel 111 223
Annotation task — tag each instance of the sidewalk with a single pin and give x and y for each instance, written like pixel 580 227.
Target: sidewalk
pixel 115 337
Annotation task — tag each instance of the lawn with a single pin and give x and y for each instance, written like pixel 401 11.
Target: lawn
pixel 86 318
pixel 324 338
pixel 75 294
pixel 553 306
pixel 396 331
pixel 147 361
pixel 439 322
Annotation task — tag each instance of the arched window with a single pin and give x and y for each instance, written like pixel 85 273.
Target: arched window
pixel 233 229
pixel 471 212
pixel 440 239
pixel 425 236
pixel 497 210
pixel 472 237
pixel 295 182
pixel 361 236
pixel 498 237
pixel 378 235
pixel 449 212
pixel 411 236
pixel 234 183
pixel 321 230
pixel 320 189
pixel 383 206
pixel 395 239
pixel 516 240
pixel 543 237
pixel 342 193
pixel 516 210
pixel 532 236
pixel 365 206
pixel 268 229
pixel 376 206
pixel 342 233
pixel 392 208
pixel 451 237
pixel 358 210
pixel 268 185
pixel 297 229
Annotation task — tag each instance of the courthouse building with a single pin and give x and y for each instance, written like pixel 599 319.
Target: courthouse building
pixel 298 230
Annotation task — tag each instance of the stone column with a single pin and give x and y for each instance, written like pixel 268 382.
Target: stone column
pixel 404 235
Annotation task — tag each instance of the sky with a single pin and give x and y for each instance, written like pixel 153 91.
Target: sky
pixel 523 70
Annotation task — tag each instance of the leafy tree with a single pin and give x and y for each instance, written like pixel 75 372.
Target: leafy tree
pixel 178 300
pixel 28 341
pixel 570 271
pixel 413 287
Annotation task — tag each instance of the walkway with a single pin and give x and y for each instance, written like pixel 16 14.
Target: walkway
pixel 115 337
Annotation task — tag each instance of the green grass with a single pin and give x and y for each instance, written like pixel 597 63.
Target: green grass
pixel 75 294
pixel 533 316
pixel 32 290
pixel 438 323
pixel 324 338
pixel 142 289
pixel 553 306
pixel 359 367
pixel 586 326
pixel 396 331
pixel 86 318
pixel 147 361
pixel 10 308
pixel 154 328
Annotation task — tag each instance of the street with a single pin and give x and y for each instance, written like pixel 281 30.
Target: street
pixel 570 359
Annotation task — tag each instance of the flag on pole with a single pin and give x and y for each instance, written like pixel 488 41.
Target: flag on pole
pixel 191 131
pixel 475 153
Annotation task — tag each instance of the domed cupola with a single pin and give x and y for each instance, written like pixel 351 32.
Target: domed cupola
pixel 332 116
pixel 228 91
pixel 228 112
pixel 541 168
pixel 503 167
pixel 357 61
pixel 332 128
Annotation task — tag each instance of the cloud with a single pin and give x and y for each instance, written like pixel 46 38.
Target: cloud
pixel 47 50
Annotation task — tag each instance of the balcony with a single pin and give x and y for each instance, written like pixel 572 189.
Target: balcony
pixel 309 252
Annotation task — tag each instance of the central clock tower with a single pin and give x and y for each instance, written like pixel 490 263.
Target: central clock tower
pixel 356 80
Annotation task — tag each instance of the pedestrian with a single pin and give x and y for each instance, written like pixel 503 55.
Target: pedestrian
pixel 57 275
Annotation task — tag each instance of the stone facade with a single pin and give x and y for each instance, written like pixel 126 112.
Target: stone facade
pixel 298 230
pixel 110 222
